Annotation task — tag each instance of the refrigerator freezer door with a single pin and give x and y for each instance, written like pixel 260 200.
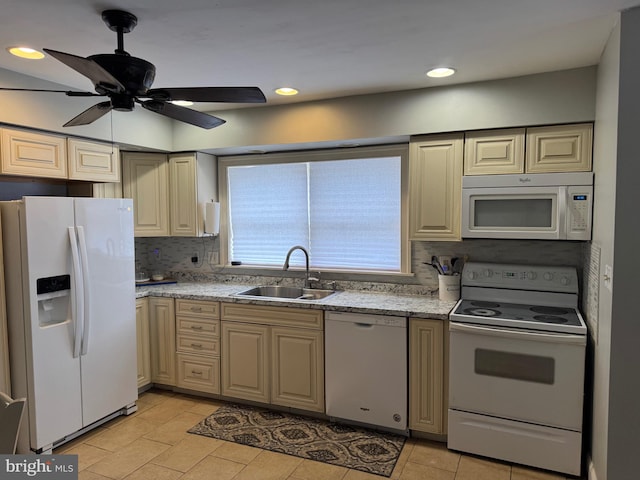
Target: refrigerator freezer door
pixel 109 346
pixel 53 385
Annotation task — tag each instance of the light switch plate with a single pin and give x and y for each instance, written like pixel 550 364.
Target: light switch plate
pixel 608 276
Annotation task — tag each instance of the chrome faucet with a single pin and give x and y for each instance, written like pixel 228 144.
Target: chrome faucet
pixel 308 280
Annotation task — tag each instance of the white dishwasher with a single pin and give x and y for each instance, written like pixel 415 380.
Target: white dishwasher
pixel 366 368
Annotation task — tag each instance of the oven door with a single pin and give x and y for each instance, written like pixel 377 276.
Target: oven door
pixel 514 212
pixel 530 376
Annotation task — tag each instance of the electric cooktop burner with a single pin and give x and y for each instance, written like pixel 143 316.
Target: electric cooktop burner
pixel 526 316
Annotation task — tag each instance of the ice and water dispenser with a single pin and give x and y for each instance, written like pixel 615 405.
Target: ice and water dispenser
pixel 54 295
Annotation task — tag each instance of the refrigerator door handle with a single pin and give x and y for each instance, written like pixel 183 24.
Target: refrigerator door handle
pixel 77 295
pixel 85 290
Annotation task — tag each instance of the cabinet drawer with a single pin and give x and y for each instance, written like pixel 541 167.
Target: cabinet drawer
pixel 281 316
pixel 198 308
pixel 199 373
pixel 194 325
pixel 197 344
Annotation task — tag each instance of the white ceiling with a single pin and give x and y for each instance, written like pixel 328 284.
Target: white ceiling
pixel 324 48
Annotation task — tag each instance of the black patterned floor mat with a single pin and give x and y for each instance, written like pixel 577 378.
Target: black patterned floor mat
pixel 348 446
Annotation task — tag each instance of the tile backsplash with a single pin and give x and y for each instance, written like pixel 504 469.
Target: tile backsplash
pixel 172 256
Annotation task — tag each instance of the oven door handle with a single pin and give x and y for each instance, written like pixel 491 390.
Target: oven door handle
pixel 549 337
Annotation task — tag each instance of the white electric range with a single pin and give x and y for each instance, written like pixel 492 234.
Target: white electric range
pixel 516 367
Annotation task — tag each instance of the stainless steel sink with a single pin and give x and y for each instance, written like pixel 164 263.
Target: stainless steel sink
pixel 278 291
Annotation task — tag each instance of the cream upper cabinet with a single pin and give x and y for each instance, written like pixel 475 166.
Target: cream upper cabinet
pixel 564 148
pixel 143 342
pixel 435 188
pixel 146 181
pixel 273 355
pixel 96 162
pixel 162 340
pixel 427 405
pixel 494 152
pixel 192 183
pixel 33 154
pixel 169 192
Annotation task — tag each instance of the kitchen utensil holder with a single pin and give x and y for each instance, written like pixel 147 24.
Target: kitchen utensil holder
pixel 449 287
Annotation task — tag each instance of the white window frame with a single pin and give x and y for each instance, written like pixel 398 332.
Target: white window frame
pixel 316 156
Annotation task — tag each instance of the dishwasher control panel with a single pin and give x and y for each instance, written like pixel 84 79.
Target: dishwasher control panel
pixel 367 319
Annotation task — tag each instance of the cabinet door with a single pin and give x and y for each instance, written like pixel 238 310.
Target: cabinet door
pixel 183 195
pixel 142 336
pixel 494 151
pixel 96 162
pixel 33 154
pixel 245 361
pixel 297 373
pixel 565 148
pixel 145 180
pixel 435 172
pixel 162 333
pixel 426 374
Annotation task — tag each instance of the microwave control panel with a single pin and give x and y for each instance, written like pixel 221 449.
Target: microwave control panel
pixel 580 203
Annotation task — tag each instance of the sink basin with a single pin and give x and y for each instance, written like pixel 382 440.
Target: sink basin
pixel 278 291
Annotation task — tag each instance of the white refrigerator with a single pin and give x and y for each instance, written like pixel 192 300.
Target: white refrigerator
pixel 69 271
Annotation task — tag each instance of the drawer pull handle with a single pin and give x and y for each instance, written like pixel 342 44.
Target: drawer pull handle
pixel 195 372
pixel 196 327
pixel 196 309
pixel 196 345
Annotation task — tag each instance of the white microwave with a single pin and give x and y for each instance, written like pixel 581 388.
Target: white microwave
pixel 548 206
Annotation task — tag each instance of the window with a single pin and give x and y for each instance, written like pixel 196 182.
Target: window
pixel 346 209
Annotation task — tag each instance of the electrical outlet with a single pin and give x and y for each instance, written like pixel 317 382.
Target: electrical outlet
pixel 155 253
pixel 608 276
pixel 214 258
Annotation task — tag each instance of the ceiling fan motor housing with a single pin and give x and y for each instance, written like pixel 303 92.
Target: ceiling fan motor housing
pixel 135 74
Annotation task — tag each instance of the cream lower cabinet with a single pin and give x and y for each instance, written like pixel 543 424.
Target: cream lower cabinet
pixel 162 340
pixel 143 342
pixel 427 396
pixel 435 187
pixel 273 355
pixel 198 345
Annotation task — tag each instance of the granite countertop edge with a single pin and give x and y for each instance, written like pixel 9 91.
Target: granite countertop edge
pixel 418 306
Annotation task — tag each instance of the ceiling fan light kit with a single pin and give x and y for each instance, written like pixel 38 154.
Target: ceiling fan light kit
pixel 127 80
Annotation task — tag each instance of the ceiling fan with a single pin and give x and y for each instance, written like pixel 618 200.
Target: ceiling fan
pixel 127 80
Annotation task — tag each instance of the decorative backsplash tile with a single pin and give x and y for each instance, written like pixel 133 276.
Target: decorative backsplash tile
pixel 174 254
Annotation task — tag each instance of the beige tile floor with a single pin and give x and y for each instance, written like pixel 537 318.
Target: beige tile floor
pixel 153 444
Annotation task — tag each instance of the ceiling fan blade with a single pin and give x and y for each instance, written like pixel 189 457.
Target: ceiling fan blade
pixel 182 114
pixel 90 114
pixel 90 69
pixel 69 93
pixel 209 94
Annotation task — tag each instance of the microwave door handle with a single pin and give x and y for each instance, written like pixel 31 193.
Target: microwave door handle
pixel 517 334
pixel 563 217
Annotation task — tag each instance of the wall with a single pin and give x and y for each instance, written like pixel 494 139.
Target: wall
pixel 49 111
pixel 556 97
pixel 604 163
pixel 176 252
pixel 624 389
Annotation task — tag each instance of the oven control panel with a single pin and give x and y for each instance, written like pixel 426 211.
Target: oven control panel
pixel 520 277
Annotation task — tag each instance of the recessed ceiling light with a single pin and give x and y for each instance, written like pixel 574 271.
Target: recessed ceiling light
pixel 182 103
pixel 286 91
pixel 25 52
pixel 440 72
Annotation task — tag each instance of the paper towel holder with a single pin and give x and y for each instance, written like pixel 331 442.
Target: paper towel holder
pixel 212 218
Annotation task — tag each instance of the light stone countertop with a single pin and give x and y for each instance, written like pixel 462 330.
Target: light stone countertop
pixel 344 301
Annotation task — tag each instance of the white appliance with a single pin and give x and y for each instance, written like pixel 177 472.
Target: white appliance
pixel 366 369
pixel 69 265
pixel 516 366
pixel 551 206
